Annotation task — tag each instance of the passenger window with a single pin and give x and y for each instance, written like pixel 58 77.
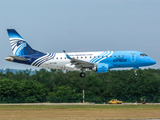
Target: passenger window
pixel 94 56
pixel 110 56
pixel 90 57
pixel 57 58
pixel 82 57
pixel 61 57
pixel 102 56
pixel 106 56
pixel 123 56
pixel 119 56
pixel 85 57
pixel 114 56
pixel 64 57
pixel 77 57
pixel 98 56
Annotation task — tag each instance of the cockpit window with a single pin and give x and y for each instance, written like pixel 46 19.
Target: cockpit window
pixel 142 55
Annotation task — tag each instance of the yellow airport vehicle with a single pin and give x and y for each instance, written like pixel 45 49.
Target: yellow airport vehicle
pixel 115 101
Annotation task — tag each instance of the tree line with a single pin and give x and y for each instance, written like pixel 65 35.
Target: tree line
pixel 55 86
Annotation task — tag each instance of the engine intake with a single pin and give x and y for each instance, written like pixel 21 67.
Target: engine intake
pixel 101 68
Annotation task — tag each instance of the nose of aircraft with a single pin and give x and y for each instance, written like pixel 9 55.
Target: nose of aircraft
pixel 153 61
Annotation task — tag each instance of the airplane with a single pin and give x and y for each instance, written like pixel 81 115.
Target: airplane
pixel 99 62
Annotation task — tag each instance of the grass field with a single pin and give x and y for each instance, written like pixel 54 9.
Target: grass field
pixel 78 112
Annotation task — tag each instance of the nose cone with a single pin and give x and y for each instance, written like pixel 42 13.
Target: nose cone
pixel 153 61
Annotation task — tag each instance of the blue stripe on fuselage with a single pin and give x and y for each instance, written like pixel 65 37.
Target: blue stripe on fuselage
pixel 31 58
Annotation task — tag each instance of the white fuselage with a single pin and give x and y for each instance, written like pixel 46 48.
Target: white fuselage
pixel 61 62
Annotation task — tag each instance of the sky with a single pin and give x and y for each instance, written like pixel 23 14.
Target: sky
pixel 81 25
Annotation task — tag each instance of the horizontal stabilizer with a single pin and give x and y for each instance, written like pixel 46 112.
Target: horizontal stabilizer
pixel 19 58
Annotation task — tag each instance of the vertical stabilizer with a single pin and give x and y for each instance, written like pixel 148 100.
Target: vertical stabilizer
pixel 18 45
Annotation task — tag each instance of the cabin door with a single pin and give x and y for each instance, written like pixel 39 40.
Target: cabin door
pixel 133 57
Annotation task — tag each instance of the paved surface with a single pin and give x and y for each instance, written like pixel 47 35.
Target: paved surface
pixel 76 104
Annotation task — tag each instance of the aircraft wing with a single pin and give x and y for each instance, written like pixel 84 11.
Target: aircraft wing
pixel 79 63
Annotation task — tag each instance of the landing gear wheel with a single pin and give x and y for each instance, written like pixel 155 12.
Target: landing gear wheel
pixel 82 74
pixel 136 74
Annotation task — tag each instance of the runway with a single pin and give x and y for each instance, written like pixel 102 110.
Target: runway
pixel 77 104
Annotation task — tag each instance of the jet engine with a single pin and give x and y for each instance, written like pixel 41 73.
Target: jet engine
pixel 100 68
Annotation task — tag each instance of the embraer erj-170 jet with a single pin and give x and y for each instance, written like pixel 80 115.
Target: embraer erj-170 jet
pixel 99 62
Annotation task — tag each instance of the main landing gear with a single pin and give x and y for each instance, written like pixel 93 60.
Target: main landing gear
pixel 82 74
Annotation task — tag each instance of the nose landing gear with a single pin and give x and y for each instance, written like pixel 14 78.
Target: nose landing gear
pixel 135 71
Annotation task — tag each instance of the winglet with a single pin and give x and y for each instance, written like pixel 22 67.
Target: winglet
pixel 67 55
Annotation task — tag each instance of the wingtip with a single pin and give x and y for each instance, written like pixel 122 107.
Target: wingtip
pixel 64 51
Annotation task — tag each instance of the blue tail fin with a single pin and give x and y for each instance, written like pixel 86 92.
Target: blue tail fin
pixel 19 46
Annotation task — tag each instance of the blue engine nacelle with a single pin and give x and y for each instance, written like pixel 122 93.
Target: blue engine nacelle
pixel 101 68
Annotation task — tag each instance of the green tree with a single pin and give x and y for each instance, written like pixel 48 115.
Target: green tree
pixel 61 94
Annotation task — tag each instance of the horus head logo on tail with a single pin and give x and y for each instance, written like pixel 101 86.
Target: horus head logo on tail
pixel 19 46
